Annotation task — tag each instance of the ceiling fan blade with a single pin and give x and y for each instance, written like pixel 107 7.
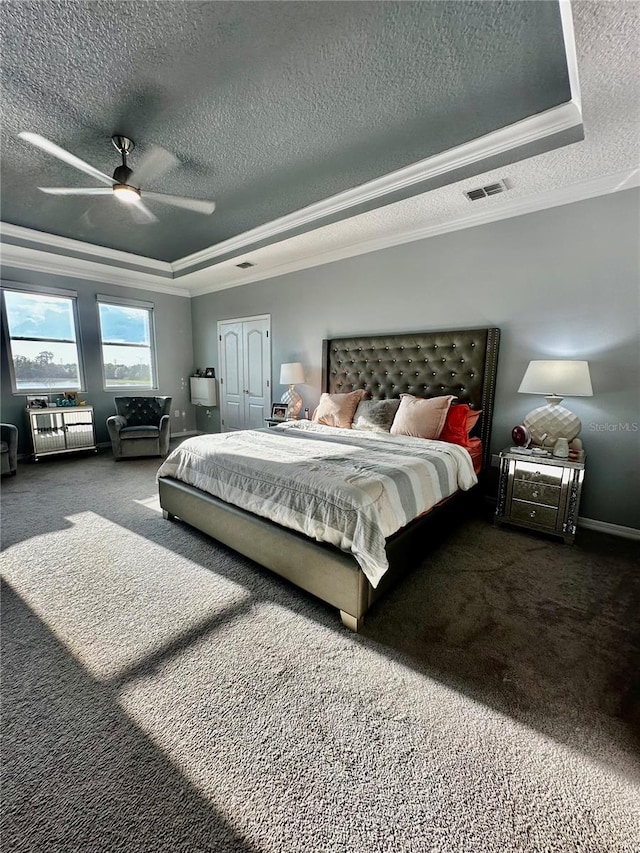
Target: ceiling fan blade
pixel 77 190
pixel 195 204
pixel 65 156
pixel 141 213
pixel 156 162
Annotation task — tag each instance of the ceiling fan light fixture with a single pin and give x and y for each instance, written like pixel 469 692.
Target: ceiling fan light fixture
pixel 126 193
pixel 125 183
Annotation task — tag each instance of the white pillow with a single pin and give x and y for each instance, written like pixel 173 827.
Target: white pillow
pixel 337 410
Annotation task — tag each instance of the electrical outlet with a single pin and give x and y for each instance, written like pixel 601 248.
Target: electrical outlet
pixel 176 414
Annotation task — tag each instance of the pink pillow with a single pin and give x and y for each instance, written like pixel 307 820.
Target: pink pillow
pixel 337 410
pixel 421 417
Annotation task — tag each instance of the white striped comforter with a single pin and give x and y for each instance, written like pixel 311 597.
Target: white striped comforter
pixel 346 487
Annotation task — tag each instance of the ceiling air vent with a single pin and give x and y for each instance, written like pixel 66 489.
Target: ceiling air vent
pixel 489 189
pixel 245 265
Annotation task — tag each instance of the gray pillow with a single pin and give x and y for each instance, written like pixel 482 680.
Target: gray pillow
pixel 375 415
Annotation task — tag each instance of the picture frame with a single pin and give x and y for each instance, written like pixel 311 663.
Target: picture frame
pixel 279 411
pixel 37 401
pixel 210 373
pixel 71 397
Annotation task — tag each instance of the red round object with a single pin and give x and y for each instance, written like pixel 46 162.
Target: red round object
pixel 520 435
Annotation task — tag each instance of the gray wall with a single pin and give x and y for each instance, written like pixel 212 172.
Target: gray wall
pixel 172 317
pixel 560 283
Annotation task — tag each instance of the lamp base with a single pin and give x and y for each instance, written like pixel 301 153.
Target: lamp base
pixel 549 423
pixel 293 401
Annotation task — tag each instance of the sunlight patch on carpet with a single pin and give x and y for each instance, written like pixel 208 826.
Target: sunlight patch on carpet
pixel 113 597
pixel 279 715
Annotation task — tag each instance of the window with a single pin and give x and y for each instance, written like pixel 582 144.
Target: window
pixel 43 341
pixel 128 351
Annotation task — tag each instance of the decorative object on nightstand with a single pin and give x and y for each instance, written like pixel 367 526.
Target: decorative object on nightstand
pixel 539 493
pixel 576 451
pixel 279 414
pixel 292 374
pixel 561 448
pixel 279 411
pixel 555 380
pixel 521 436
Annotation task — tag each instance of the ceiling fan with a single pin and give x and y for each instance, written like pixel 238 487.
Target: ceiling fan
pixel 125 185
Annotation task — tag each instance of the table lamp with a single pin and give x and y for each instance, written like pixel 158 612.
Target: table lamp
pixel 555 380
pixel 291 374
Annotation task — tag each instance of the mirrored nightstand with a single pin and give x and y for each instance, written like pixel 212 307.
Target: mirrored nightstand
pixel 539 493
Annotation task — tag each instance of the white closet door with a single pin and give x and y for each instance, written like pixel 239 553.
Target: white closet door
pixel 257 360
pixel 230 341
pixel 245 372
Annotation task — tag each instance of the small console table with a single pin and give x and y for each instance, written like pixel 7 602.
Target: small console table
pixel 61 429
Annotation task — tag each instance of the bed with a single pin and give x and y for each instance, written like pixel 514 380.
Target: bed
pixel 462 363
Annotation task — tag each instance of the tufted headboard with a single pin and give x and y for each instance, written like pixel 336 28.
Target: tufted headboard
pixel 426 364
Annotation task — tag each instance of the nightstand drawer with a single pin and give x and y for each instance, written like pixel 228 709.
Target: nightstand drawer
pixel 544 516
pixel 538 473
pixel 537 492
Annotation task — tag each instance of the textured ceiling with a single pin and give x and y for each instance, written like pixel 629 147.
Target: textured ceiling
pixel 270 106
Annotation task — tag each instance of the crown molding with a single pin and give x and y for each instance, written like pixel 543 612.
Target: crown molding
pixel 38 260
pixel 509 209
pixel 569 36
pixel 74 252
pixel 70 247
pixel 522 133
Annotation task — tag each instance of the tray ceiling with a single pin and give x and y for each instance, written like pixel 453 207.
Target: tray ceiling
pixel 269 106
pixel 321 129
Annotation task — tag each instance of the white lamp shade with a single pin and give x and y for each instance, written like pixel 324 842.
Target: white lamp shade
pixel 291 373
pixel 558 378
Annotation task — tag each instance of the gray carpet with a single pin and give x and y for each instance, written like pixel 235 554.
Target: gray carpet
pixel 163 694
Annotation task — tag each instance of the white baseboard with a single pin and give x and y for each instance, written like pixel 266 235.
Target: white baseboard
pixel 607 527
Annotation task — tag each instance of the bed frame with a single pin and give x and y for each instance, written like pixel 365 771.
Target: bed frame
pixel 426 364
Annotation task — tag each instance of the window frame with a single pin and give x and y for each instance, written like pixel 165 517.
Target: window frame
pixel 119 302
pixel 34 290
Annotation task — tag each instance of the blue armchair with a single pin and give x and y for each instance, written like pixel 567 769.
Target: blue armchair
pixel 9 448
pixel 141 427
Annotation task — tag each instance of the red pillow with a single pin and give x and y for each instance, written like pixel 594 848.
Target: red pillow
pixel 460 421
